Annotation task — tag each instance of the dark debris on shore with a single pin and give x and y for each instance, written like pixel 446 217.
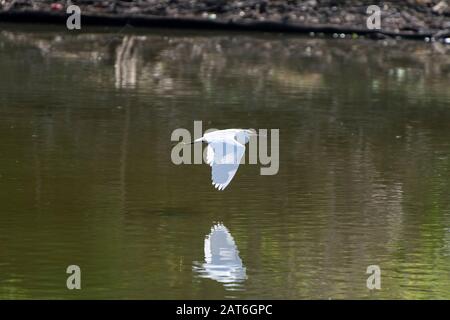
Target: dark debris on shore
pixel 414 17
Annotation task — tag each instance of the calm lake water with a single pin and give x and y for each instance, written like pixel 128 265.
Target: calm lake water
pixel 86 177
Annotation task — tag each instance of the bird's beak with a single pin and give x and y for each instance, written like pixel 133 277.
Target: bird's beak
pixel 176 143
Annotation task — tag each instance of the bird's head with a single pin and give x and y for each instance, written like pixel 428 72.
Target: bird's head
pixel 251 132
pixel 244 135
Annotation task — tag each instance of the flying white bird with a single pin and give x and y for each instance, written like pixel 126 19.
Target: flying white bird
pixel 224 153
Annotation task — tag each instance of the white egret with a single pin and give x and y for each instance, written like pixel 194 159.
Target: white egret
pixel 224 153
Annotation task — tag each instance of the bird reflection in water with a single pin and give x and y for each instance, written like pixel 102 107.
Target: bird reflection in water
pixel 222 261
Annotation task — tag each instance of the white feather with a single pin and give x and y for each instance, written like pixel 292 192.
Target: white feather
pixel 224 154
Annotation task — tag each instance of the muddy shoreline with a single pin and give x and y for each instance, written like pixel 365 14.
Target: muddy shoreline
pixel 413 19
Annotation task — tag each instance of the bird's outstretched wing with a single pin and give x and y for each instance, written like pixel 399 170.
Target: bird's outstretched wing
pixel 224 156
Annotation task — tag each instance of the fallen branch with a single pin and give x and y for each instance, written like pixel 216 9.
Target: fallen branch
pixel 137 20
